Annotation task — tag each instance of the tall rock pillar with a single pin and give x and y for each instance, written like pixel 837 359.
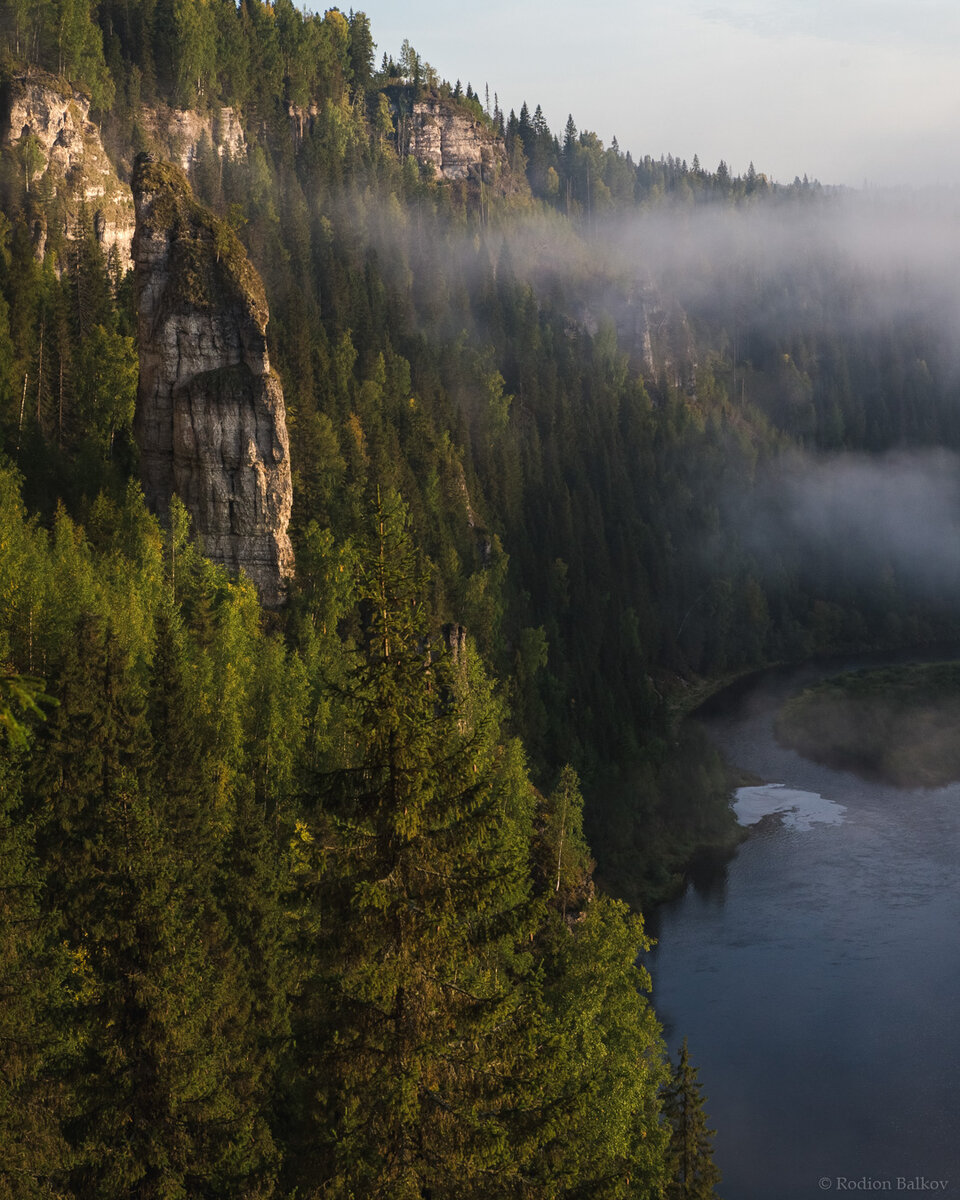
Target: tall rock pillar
pixel 210 418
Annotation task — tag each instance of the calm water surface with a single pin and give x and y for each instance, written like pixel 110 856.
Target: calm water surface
pixel 817 978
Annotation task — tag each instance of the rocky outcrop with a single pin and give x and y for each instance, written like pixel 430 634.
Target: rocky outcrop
pixel 652 327
pixel 48 128
pixel 455 143
pixel 658 328
pixel 179 134
pixel 210 418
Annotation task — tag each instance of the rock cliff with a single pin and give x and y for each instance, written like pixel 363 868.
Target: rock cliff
pixel 210 418
pixel 441 134
pixel 178 134
pixel 657 329
pixel 48 127
pixel 458 145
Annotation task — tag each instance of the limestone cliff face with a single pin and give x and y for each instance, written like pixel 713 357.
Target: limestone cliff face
pixel 178 134
pixel 657 326
pixel 456 144
pixel 210 418
pixel 652 327
pixel 62 158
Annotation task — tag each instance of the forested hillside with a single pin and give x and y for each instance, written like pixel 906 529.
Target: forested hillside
pixel 302 902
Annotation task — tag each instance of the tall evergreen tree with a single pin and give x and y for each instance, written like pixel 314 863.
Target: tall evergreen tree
pixel 418 1001
pixel 693 1173
pixel 35 1028
pixel 163 1086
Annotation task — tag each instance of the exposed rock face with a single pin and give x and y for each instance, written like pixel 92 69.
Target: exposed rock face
pixel 63 157
pixel 653 328
pixel 458 145
pixel 210 416
pixel 67 161
pixel 659 329
pixel 180 133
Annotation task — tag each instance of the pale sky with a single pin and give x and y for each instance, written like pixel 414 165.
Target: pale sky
pixel 846 91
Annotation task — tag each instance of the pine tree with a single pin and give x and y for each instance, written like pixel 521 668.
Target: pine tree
pixel 591 1101
pixel 693 1174
pixel 361 48
pixel 80 50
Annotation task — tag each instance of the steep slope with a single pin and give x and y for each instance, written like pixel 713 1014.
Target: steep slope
pixel 67 172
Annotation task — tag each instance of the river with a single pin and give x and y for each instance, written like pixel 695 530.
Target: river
pixel 816 976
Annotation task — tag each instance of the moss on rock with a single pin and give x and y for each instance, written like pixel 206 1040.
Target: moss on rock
pixel 208 263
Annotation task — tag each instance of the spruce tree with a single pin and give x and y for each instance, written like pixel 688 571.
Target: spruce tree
pixel 693 1174
pixel 414 1012
pixel 592 1110
pixel 34 996
pixel 165 1089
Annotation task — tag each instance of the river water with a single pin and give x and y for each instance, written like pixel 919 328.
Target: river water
pixel 817 976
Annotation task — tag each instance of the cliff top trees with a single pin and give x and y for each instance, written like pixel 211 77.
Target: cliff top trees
pixel 63 36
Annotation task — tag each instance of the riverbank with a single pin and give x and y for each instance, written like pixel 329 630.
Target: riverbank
pixel 815 970
pixel 896 724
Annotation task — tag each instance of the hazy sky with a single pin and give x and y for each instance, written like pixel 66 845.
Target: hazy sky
pixel 846 91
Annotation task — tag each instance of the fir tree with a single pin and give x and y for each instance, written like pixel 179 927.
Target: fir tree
pixel 164 1084
pixel 35 1026
pixel 422 842
pixel 693 1174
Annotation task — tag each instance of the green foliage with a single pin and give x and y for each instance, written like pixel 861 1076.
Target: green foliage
pixel 287 905
pixel 294 900
pixel 597 1117
pixel 20 694
pixel 562 854
pixel 107 386
pixel 553 490
pixel 422 832
pixel 80 50
pixel 137 791
pixel 34 1017
pixel 693 1174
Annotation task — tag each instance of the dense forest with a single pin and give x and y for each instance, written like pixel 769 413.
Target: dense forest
pixel 308 902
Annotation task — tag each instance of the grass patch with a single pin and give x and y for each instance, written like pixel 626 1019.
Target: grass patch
pixel 898 725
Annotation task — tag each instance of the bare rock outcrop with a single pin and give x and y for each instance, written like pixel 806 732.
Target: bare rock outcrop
pixel 180 133
pixel 210 418
pixel 47 126
pixel 456 144
pixel 658 328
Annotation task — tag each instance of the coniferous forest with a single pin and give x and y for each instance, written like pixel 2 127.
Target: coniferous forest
pixel 342 899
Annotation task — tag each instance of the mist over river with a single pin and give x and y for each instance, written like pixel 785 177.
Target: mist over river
pixel 817 975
